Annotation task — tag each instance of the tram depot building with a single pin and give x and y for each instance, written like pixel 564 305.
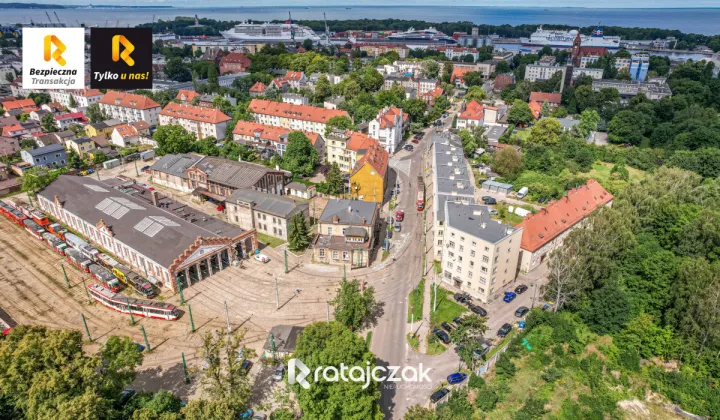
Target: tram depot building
pixel 146 231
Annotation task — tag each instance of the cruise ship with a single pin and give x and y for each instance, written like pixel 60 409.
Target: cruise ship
pixel 565 39
pixel 429 36
pixel 270 32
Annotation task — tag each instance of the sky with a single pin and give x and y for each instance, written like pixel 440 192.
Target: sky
pixel 326 3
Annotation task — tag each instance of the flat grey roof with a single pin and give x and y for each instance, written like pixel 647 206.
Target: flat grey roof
pixel 46 149
pixel 297 186
pixel 133 218
pixel 495 132
pixel 175 164
pixel 350 212
pixel 497 184
pixel 475 220
pixel 452 180
pixel 268 203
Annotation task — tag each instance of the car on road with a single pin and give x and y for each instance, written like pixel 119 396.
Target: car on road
pixel 262 258
pixel 457 320
pixel 279 373
pixel 409 147
pixel 441 335
pixel 493 212
pixel 247 414
pixel 478 310
pixel 145 168
pixel 461 298
pixel 489 201
pixel 521 289
pixel 246 366
pixel 399 215
pixel 415 140
pixel 140 347
pixel 509 297
pixel 521 311
pixel 439 395
pixel 504 330
pixel 456 378
pixel 397 227
pixel 447 327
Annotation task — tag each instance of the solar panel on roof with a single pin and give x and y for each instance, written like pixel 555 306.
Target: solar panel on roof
pixel 110 209
pixel 153 230
pixel 120 212
pixel 103 204
pixel 144 224
pixel 164 220
pixel 96 188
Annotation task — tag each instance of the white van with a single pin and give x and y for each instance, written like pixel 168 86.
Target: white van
pixel 522 193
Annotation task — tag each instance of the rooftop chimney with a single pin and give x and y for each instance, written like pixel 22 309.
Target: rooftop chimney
pixel 483 225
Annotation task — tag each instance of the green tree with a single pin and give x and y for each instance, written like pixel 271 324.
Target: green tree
pixel 466 336
pixel 74 161
pixel 469 143
pixel 48 123
pixel 176 70
pixel 609 309
pixel 37 178
pixel 365 112
pixel 508 163
pixel 334 180
pixel 353 307
pixel 340 122
pixel 206 146
pixel 430 69
pixel 415 108
pixel 520 113
pixel 24 117
pixel 94 114
pixel 72 103
pixel 329 344
pixel 300 156
pixel 589 120
pixel 417 412
pixel 546 132
pixel 475 93
pixel 173 139
pixel 298 232
pixel 120 357
pixel 213 78
pixel 98 157
pixel 504 367
pixel 322 89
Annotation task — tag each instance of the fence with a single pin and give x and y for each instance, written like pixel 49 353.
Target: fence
pixel 491 362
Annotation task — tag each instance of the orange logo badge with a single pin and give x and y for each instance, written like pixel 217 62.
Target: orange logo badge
pixel 59 49
pixel 129 48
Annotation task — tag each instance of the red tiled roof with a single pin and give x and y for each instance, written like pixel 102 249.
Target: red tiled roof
pixel 473 111
pixel 294 75
pixel 27 105
pixel 126 130
pixel 357 141
pixel 128 100
pixel 561 215
pixel 268 132
pixel 74 115
pixel 8 129
pixel 376 156
pixel 195 113
pixel 551 98
pixel 258 87
pixel 87 92
pixel 186 95
pixel 536 109
pixel 585 51
pixel 299 112
pixel 434 93
pixel 55 105
pixel 7 99
pixel 236 57
pixel 387 119
pixel 140 125
pixel 458 73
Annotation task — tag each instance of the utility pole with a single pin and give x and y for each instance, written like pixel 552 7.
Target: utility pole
pixel 277 295
pixel 272 344
pixel 192 323
pixel 65 274
pixel 179 285
pixel 187 377
pixel 147 344
pixel 86 290
pixel 534 292
pixel 227 317
pixel 87 330
pixel 132 319
pixel 344 272
pixel 327 305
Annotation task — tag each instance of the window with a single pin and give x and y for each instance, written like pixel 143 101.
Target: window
pixel 482 280
pixel 481 290
pixel 329 230
pixel 459 258
pixel 321 252
pixel 472 253
pixel 345 255
pixel 335 255
pixel 485 258
pixel 487 249
pixel 450 254
pixel 498 249
pixel 484 269
pixel 451 244
pixel 462 239
pixel 452 234
pixel 472 263
pixel 474 243
pixel 450 265
pixel 439 242
pixel 461 248
pixel 459 269
pixel 469 276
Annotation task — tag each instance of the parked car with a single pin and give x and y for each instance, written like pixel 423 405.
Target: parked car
pixel 439 395
pixel 397 227
pixel 279 373
pixel 246 414
pixel 125 396
pixel 482 351
pixel 521 311
pixel 509 297
pixel 145 168
pixel 259 416
pixel 441 335
pixel 486 198
pixel 504 330
pixel 447 327
pixel 456 378
pixel 493 212
pixel 399 215
pixel 478 310
pixel 409 147
pixel 246 366
pixel 415 140
pixel 457 320
pixel 262 258
pixel 521 289
pixel 461 298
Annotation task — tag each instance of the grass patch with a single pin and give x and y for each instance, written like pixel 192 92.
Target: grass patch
pixel 500 345
pixel 504 214
pixel 368 339
pixel 385 254
pixel 446 309
pixel 601 172
pixel 434 345
pixel 438 266
pixel 413 341
pixel 269 240
pixel 415 300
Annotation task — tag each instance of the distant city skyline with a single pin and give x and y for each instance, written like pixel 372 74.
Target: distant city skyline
pixel 607 4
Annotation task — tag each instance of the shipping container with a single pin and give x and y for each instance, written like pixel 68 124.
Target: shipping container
pixel 109 164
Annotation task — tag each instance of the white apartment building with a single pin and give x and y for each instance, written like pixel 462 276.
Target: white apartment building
pixel 293 117
pixel 535 72
pixel 596 74
pixel 343 147
pixel 295 99
pixel 201 121
pixel 130 107
pixel 83 98
pixel 480 255
pixel 389 127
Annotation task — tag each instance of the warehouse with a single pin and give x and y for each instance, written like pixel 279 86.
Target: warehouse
pixel 155 235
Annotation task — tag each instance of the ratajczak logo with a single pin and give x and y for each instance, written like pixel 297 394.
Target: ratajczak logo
pixel 53 58
pixel 414 377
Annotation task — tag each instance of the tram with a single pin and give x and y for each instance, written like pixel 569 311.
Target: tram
pixel 138 307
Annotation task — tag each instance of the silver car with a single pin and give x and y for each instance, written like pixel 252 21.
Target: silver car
pixel 279 373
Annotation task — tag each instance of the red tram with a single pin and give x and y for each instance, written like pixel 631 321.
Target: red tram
pixel 138 307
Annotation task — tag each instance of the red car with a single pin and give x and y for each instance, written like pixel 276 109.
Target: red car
pixel 399 215
pixel 416 141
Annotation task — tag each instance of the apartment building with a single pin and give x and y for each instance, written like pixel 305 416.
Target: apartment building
pixel 420 84
pixel 480 255
pixel 293 117
pixel 346 229
pixel 535 72
pixel 201 121
pixel 389 127
pixel 83 98
pixel 266 137
pixel 472 115
pixel 130 107
pixel 458 53
pixel 346 147
pixel 234 62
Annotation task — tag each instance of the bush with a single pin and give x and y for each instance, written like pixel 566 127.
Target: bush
pixel 551 375
pixel 533 409
pixel 476 381
pixel 486 399
pixel 505 367
pixel 630 359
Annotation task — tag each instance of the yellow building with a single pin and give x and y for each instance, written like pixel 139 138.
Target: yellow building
pixel 98 129
pixel 368 177
pixel 80 146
